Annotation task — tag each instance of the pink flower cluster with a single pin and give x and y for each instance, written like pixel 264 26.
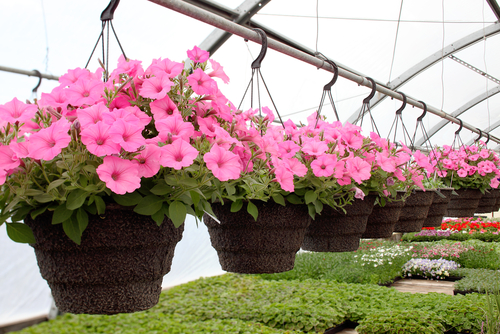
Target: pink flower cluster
pixel 473 166
pixel 442 251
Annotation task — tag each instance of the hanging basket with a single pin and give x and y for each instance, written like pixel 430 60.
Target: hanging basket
pixel 267 245
pixel 488 201
pixel 496 207
pixel 382 220
pixel 465 204
pixel 414 212
pixel 117 268
pixel 336 231
pixel 438 208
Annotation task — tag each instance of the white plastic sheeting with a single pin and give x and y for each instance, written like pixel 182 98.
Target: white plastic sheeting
pixel 24 294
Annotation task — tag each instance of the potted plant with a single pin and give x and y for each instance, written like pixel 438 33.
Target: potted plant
pixel 470 170
pixel 103 171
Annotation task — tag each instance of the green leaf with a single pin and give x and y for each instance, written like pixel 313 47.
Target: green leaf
pixel 61 213
pixel 294 199
pixel 55 184
pixel 44 198
pixel 19 232
pixel 72 230
pixel 310 196
pixel 128 199
pixel 158 217
pixel 161 189
pixel 33 192
pixel 230 189
pixel 149 205
pixel 177 212
pixel 195 197
pixel 189 182
pixel 252 209
pixel 236 205
pixel 312 210
pixel 21 213
pixel 83 219
pixel 278 198
pixel 100 205
pixel 318 205
pixel 90 169
pixel 35 213
pixel 76 199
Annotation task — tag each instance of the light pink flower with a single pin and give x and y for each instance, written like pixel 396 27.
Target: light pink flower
pixel 288 148
pixel 201 83
pixel 85 92
pixel 198 55
pixel 175 127
pixel 91 115
pixel 358 169
pixel 163 108
pixel 121 176
pixel 385 162
pixel 148 161
pixel 47 143
pixel 315 148
pixel 284 177
pixel 128 135
pixel 8 158
pixel 359 194
pixel 224 164
pixel 178 154
pixel 96 138
pixel 73 76
pixel 297 167
pixel 462 172
pixel 218 71
pixel 17 111
pixel 324 165
pixel 156 87
pixel 171 68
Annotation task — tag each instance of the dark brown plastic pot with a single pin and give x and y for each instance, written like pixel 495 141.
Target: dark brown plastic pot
pixel 267 245
pixel 382 220
pixel 438 208
pixel 117 268
pixel 414 211
pixel 336 231
pixel 496 207
pixel 488 201
pixel 465 204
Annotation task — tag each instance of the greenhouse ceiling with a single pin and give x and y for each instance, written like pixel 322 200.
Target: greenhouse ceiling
pixel 443 53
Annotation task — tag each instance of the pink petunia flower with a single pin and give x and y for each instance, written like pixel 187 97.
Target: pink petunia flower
pixel 156 87
pixel 324 165
pixel 201 83
pixel 148 161
pixel 121 176
pixel 198 55
pixel 163 108
pixel 91 115
pixel 224 164
pixel 284 177
pixel 85 92
pixel 47 143
pixel 296 167
pixel 315 148
pixel 358 169
pixel 176 127
pixel 171 68
pixel 96 138
pixel 8 158
pixel 218 71
pixel 128 135
pixel 17 111
pixel 178 154
pixel 287 149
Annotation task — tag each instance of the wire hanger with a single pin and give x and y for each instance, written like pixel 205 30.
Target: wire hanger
pixel 480 135
pixel 399 118
pixel 327 90
pixel 256 72
pixel 39 75
pixel 107 18
pixel 457 138
pixel 420 124
pixel 365 108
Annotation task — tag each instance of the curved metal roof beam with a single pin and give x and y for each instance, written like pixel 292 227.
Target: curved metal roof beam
pixel 428 62
pixel 478 99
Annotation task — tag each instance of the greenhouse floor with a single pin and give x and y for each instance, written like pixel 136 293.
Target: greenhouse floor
pixel 416 286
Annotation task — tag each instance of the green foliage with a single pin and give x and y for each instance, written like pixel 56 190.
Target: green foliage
pixel 477 280
pixel 486 237
pixel 401 321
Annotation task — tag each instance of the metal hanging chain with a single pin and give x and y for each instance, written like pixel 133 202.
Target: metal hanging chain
pixel 257 73
pixel 365 108
pixel 399 118
pixel 327 89
pixel 106 18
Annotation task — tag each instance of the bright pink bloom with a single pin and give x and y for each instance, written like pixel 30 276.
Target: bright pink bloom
pixel 315 148
pixel 91 115
pixel 462 172
pixel 111 117
pixel 17 111
pixel 8 158
pixel 85 92
pixel 96 138
pixel 128 135
pixel 494 183
pixel 198 55
pixel 57 98
pixel 385 162
pixel 224 164
pixel 171 68
pixel 121 176
pixel 175 127
pixel 296 167
pixel 287 149
pixel 47 143
pixel 208 126
pixel 3 176
pixel 324 165
pixel 148 161
pixel 359 194
pixel 132 68
pixel 284 177
pixel 20 149
pixel 201 83
pixel 358 169
pixel 178 154
pixel 163 108
pixel 156 87
pixel 485 153
pixel 218 71
pixel 352 139
pixel 73 76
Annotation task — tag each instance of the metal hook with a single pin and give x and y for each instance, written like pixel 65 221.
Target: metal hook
pixel 488 134
pixel 109 11
pixel 460 128
pixel 372 93
pixel 329 85
pixel 421 117
pixel 256 63
pixel 400 110
pixel 480 135
pixel 39 75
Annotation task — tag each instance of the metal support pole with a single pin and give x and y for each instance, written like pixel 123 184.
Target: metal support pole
pixel 28 73
pixel 233 28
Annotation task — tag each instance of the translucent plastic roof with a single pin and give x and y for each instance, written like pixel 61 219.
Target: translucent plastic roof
pixel 385 40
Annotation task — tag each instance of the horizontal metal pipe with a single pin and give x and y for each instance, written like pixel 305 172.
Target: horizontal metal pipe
pixel 236 29
pixel 28 73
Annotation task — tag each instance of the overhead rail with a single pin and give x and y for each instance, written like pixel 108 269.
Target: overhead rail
pixel 29 73
pixel 236 29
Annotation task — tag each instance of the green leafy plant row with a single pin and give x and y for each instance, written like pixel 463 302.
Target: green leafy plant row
pixel 477 280
pixel 487 237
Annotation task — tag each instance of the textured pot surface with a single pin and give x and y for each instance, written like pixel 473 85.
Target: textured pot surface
pixel 414 211
pixel 336 231
pixel 382 219
pixel 117 268
pixel 438 208
pixel 465 204
pixel 267 245
pixel 488 201
pixel 496 207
